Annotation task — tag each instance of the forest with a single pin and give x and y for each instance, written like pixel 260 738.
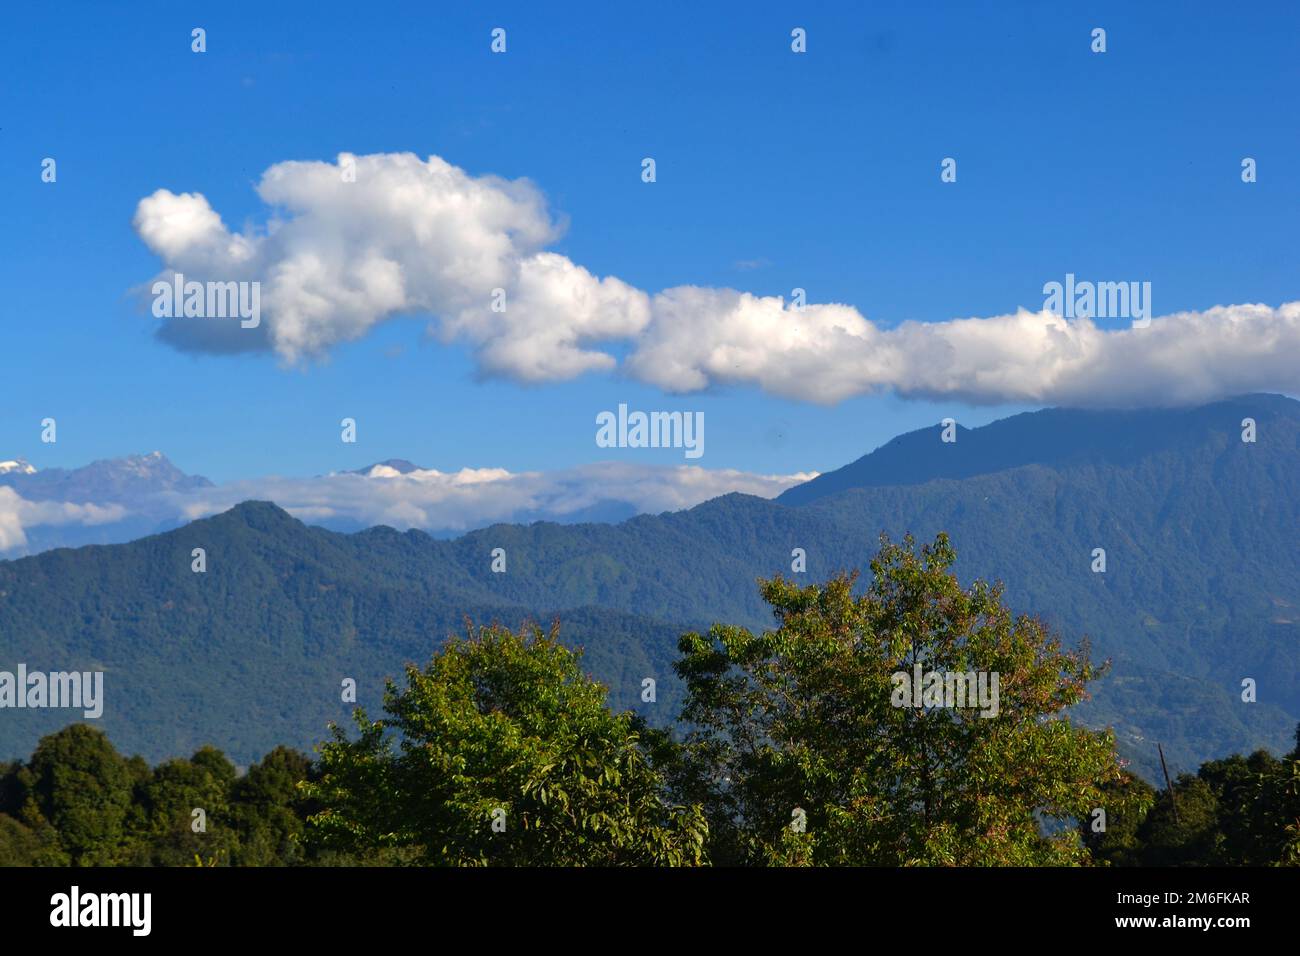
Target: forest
pixel 502 750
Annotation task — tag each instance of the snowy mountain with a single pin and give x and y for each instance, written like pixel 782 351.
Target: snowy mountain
pixel 115 480
pixel 16 467
pixel 144 486
pixel 388 467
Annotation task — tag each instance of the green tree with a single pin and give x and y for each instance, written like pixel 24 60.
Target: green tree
pixel 1182 828
pixel 506 729
pixel 19 845
pixel 1126 803
pixel 1258 807
pixel 80 787
pixel 268 810
pixel 1237 811
pixel 800 723
pixel 1246 797
pixel 1282 797
pixel 174 833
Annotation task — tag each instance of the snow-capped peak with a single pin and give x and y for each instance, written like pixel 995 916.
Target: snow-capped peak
pixel 389 468
pixel 16 467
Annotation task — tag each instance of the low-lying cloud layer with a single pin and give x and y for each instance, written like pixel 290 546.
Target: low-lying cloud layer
pixel 17 515
pixel 445 502
pixel 352 244
pixel 438 502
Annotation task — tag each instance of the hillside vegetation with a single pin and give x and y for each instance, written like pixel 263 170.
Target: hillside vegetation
pixel 1201 588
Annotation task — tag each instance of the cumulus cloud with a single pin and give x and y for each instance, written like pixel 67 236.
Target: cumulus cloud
pixel 700 336
pixel 827 353
pixel 17 514
pixel 452 502
pixel 412 236
pixel 407 236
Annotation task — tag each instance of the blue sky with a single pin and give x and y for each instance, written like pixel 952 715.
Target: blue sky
pixel 775 170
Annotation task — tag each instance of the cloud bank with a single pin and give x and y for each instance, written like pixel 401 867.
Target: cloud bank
pixel 442 503
pixel 17 515
pixel 447 502
pixel 354 243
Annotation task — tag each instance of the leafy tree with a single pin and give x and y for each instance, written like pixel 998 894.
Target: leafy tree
pixel 801 723
pixel 1183 828
pixel 1126 802
pixel 80 787
pixel 19 845
pixel 169 800
pixel 11 791
pixel 1243 789
pixel 1283 800
pixel 268 810
pixel 500 728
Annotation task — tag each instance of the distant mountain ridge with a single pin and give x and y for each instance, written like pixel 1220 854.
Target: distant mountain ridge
pixel 125 480
pixel 143 485
pixel 1053 437
pixel 118 500
pixel 1201 589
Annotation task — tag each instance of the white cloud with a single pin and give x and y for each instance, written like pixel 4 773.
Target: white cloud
pixel 17 514
pixel 703 336
pixel 408 236
pixel 827 353
pixel 476 497
pixel 425 237
pixel 553 307
pixel 434 501
pixel 12 535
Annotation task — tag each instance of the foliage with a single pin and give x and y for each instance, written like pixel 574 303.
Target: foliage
pixel 793 723
pixel 79 802
pixel 804 717
pixel 501 728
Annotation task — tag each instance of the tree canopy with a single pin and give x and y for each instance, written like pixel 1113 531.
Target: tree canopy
pixel 798 747
pixel 501 751
pixel 910 721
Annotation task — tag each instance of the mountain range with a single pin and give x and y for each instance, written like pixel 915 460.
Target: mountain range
pixel 119 500
pixel 136 492
pixel 1201 587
